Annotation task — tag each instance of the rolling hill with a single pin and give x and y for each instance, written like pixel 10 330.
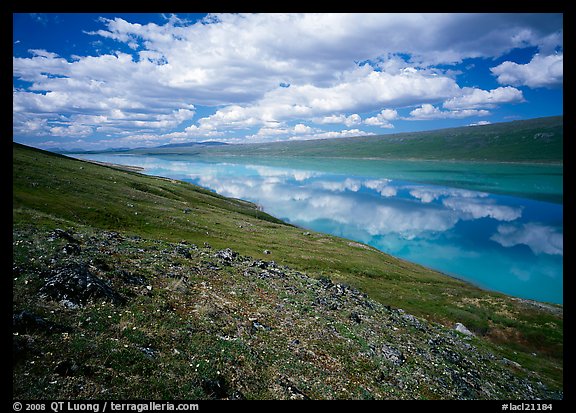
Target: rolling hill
pixel 535 140
pixel 128 286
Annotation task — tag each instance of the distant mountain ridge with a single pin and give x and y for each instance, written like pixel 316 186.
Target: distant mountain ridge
pixel 126 149
pixel 187 144
pixel 538 140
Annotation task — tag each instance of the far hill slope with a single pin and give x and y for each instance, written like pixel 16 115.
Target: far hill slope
pixel 127 286
pixel 533 140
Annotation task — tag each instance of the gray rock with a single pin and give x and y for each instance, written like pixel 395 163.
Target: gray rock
pixel 71 249
pixel 68 368
pixel 392 355
pixel 264 274
pixel 413 321
pixel 259 264
pixel 113 235
pixel 212 266
pixel 60 233
pixel 148 352
pixel 325 281
pixel 461 328
pixel 75 284
pixel 226 255
pixel 185 252
pixel 256 325
pixel 130 278
pixel 511 363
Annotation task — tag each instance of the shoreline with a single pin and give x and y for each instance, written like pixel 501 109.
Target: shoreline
pixel 359 158
pixel 130 168
pixel 544 304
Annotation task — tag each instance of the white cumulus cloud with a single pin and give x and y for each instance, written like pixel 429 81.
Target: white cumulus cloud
pixel 473 98
pixel 480 123
pixel 428 112
pixel 346 133
pixel 248 71
pixel 350 120
pixel 541 71
pixel 383 118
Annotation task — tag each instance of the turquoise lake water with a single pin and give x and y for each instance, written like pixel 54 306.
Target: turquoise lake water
pixel 499 226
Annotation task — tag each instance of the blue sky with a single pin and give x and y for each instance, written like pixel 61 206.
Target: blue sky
pixel 95 81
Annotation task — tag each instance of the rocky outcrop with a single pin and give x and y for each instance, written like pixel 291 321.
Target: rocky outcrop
pixel 74 285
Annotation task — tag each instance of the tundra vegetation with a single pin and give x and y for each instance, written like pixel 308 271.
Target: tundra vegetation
pixel 141 287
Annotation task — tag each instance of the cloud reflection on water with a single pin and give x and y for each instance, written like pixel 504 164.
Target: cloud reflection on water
pixel 372 207
pixel 375 206
pixel 541 239
pixel 499 242
pixel 338 202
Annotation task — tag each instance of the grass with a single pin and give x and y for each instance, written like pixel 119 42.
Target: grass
pixel 197 320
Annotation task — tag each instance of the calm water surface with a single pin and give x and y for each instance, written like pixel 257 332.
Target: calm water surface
pixel 499 226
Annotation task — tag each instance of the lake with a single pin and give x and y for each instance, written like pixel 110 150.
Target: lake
pixel 498 226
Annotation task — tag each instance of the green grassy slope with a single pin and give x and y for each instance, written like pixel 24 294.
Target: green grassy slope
pixel 155 216
pixel 533 140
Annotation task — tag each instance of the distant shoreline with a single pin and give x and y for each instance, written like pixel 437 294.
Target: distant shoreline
pixel 552 163
pixel 257 155
pixel 131 168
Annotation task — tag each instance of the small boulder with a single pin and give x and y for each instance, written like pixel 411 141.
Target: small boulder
pixel 75 284
pixel 392 355
pixel 71 249
pixel 259 264
pixel 60 233
pixel 227 255
pixel 67 368
pixel 185 252
pixel 461 328
pixel 148 352
pixel 256 325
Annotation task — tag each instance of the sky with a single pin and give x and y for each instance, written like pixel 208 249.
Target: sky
pixel 96 81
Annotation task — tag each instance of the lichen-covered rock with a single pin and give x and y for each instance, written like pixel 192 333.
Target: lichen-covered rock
pixel 75 285
pixel 226 255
